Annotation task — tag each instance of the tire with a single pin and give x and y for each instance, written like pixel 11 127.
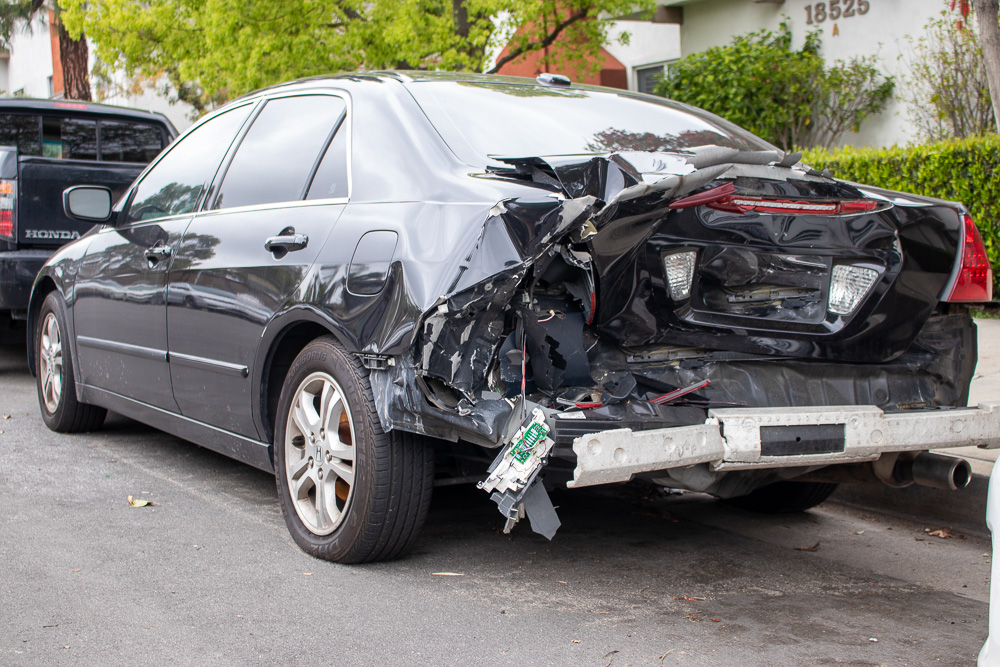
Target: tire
pixel 55 380
pixel 351 493
pixel 785 497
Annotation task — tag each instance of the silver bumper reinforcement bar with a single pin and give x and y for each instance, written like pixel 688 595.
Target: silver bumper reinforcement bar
pixel 731 439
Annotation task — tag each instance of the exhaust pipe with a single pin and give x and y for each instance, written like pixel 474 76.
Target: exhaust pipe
pixel 926 469
pixel 941 472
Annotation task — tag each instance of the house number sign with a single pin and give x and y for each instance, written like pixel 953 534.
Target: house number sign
pixel 835 10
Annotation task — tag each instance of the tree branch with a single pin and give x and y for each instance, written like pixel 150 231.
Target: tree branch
pixel 527 48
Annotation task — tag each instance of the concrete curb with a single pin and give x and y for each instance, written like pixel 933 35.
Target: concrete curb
pixel 964 510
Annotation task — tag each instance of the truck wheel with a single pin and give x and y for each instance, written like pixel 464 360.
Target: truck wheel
pixel 349 492
pixel 785 497
pixel 56 384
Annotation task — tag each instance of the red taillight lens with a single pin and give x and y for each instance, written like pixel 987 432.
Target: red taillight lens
pixel 723 198
pixel 974 280
pixel 7 208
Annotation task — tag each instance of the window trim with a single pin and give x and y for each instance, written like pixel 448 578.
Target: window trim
pixel 345 122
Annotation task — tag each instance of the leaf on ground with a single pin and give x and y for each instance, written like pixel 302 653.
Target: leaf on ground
pixel 6 416
pixel 140 502
pixel 814 547
pixel 943 533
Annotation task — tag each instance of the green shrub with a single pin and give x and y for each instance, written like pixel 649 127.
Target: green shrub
pixel 963 170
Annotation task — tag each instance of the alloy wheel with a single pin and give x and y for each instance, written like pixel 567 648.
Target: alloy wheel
pixel 320 453
pixel 50 359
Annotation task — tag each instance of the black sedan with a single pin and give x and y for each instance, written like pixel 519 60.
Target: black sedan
pixel 368 282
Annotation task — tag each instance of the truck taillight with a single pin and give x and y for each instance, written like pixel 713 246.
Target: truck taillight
pixel 973 280
pixel 7 197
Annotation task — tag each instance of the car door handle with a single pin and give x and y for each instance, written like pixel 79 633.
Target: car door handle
pixel 286 242
pixel 158 252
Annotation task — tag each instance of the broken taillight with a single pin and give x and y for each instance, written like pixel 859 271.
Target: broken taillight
pixel 973 279
pixel 724 198
pixel 7 197
pixel 679 268
pixel 849 286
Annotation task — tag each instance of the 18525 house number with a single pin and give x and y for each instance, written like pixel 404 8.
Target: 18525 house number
pixel 834 10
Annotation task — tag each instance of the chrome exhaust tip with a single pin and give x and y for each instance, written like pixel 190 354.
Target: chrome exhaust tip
pixel 941 472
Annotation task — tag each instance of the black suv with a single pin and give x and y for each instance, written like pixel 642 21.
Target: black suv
pixel 45 146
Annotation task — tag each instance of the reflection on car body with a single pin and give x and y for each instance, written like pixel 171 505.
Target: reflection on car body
pixel 354 271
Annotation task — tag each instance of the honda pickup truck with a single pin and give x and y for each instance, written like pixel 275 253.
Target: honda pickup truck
pixel 46 146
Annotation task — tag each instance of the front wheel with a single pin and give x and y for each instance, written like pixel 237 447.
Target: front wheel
pixel 56 382
pixel 349 492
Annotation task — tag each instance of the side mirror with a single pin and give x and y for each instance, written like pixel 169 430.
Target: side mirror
pixel 89 203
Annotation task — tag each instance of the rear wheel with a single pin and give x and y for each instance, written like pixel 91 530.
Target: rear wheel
pixel 56 383
pixel 785 497
pixel 349 492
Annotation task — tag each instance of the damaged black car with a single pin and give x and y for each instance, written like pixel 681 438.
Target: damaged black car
pixel 368 282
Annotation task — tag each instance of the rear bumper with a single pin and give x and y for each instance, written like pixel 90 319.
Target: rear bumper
pixel 761 438
pixel 18 269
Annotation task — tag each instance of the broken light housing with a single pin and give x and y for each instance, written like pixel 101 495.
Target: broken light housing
pixel 973 279
pixel 679 268
pixel 849 286
pixel 7 196
pixel 724 198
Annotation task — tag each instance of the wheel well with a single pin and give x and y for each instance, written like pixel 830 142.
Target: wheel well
pixel 286 347
pixel 44 287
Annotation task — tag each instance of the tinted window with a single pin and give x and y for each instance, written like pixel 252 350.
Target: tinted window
pixel 331 178
pixel 130 142
pixel 174 185
pixel 524 120
pixel 69 138
pixel 22 132
pixel 275 159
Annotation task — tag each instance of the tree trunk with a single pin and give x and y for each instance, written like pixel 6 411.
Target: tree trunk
pixel 73 55
pixel 989 39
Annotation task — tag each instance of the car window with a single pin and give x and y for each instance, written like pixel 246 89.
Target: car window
pixel 22 132
pixel 174 184
pixel 130 142
pixel 280 151
pixel 330 180
pixel 69 138
pixel 516 120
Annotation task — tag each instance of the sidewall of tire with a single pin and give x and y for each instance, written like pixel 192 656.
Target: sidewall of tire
pixel 69 415
pixel 347 542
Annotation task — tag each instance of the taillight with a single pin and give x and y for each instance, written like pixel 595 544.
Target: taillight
pixel 973 281
pixel 7 197
pixel 724 198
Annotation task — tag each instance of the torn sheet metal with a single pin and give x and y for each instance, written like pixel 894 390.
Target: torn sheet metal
pixel 555 294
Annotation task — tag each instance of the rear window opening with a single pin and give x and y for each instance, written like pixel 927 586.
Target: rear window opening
pixel 72 138
pixel 480 120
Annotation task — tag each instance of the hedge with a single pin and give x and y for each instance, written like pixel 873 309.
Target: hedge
pixel 964 170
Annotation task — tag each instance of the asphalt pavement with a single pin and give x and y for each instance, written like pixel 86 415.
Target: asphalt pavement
pixel 209 575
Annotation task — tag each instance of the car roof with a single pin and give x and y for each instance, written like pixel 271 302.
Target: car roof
pixel 412 76
pixel 78 107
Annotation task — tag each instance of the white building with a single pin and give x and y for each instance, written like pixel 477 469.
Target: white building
pixel 26 68
pixel 849 28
